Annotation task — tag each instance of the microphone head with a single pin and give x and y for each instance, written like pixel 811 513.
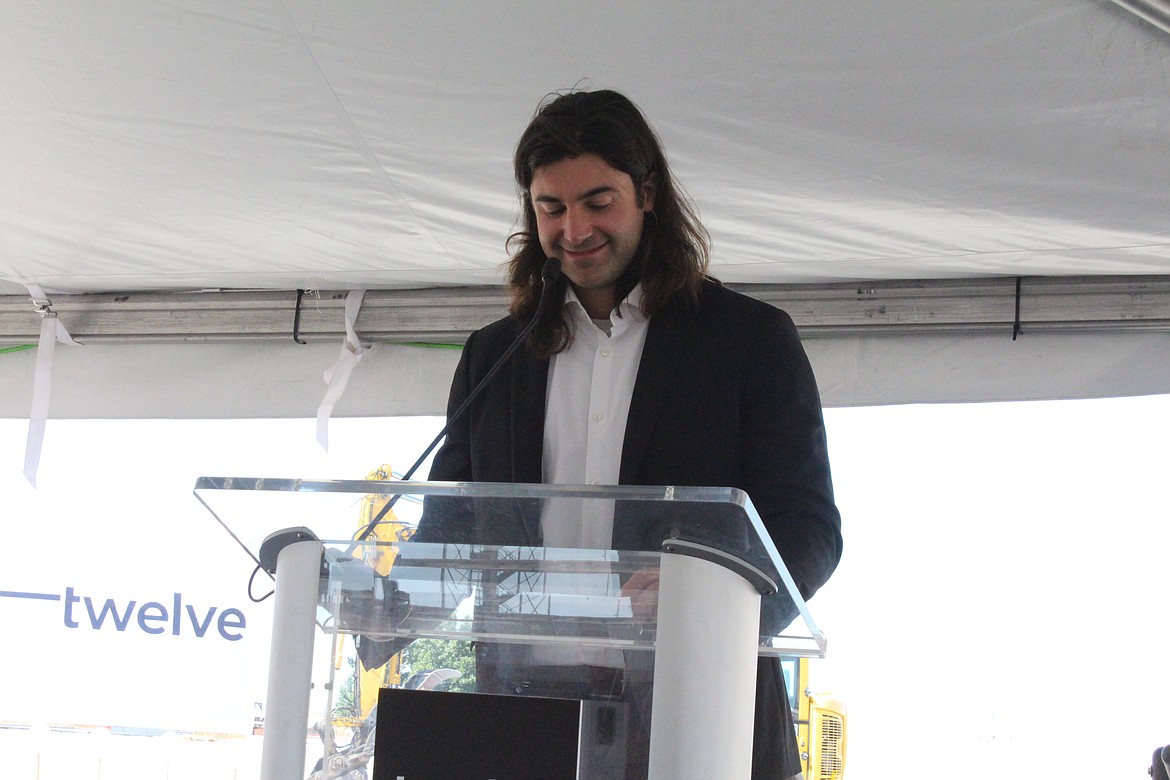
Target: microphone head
pixel 551 270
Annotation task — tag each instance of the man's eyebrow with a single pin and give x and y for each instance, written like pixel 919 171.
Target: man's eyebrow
pixel 585 196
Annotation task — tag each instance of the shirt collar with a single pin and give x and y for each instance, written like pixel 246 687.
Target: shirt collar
pixel 631 304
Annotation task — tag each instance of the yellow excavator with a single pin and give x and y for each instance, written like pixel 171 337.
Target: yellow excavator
pixel 380 557
pixel 349 736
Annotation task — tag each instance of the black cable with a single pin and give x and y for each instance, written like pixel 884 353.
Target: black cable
pixel 550 275
pixel 297 319
pixel 252 581
pixel 1016 329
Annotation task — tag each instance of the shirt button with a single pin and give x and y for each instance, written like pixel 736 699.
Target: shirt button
pixel 596 416
pixel 605 353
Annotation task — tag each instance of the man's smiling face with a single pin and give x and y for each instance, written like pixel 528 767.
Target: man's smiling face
pixel 589 216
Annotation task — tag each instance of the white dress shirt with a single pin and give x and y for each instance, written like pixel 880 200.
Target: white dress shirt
pixel 589 390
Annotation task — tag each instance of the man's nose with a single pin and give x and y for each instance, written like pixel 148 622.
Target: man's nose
pixel 578 226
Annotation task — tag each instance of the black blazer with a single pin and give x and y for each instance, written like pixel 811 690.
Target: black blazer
pixel 724 397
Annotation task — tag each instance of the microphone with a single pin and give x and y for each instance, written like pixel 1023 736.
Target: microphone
pixel 550 276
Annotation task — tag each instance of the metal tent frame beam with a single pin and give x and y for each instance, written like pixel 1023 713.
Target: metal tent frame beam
pixel 447 315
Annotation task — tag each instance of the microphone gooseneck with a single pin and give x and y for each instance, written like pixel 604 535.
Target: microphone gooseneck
pixel 550 276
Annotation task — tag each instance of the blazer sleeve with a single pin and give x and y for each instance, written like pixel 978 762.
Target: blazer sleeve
pixel 444 518
pixel 785 453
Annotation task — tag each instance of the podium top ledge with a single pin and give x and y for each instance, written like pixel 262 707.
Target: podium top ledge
pixel 719 524
pixel 702 494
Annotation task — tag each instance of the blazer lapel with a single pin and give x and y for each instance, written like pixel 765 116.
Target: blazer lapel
pixel 529 387
pixel 660 360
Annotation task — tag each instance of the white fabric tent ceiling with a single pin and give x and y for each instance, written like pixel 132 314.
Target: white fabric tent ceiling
pixel 305 144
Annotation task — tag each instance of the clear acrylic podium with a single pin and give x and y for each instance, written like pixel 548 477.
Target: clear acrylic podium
pixel 658 636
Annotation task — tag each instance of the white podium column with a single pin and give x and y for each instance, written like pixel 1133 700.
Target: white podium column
pixel 704 672
pixel 290 671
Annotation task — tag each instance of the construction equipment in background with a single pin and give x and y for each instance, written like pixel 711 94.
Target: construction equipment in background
pixel 820 724
pixel 348 736
pixel 379 556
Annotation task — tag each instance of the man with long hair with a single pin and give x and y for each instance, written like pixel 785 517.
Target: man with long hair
pixel 644 371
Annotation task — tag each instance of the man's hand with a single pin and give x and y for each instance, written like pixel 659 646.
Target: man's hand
pixel 642 590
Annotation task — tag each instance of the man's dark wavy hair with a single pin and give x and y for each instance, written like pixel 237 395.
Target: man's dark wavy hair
pixel 673 254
